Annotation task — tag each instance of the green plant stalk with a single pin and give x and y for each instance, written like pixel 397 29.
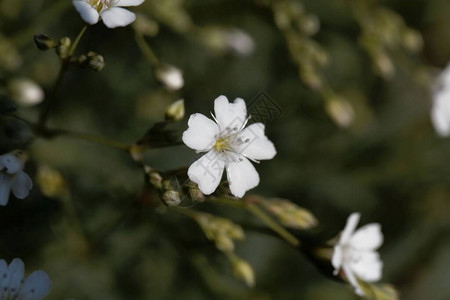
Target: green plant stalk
pixel 65 63
pixel 286 235
pixel 145 48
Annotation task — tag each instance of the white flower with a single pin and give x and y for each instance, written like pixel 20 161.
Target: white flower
pixel 240 42
pixel 25 91
pixel 171 77
pixel 228 145
pixel 110 11
pixel 12 177
pixel 14 287
pixel 356 252
pixel 440 111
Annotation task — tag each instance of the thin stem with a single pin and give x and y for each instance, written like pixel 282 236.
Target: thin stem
pixel 226 201
pixel 145 48
pixel 256 211
pixel 77 40
pixel 65 64
pixel 51 99
pixel 88 137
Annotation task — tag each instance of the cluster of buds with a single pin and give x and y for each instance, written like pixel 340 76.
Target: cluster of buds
pixel 384 31
pixel 298 27
pixel 221 231
pixel 290 214
pixel 63 47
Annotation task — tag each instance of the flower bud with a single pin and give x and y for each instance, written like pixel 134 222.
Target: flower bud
pixel 196 194
pixel 384 65
pixel 171 77
pixel 340 111
pixel 240 42
pixel 175 112
pixel 63 47
pixel 25 91
pixel 44 42
pixel 95 61
pixel 171 198
pixel 310 24
pixel 243 271
pixel 155 179
pixel 224 243
pixel 51 182
pixel 412 40
pixel 145 25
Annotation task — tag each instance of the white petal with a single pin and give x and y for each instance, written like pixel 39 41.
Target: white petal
pixel 254 143
pixel 4 279
pixel 352 279
pixel 16 271
pixel 36 286
pixel 201 134
pixel 368 266
pixel 117 17
pixel 87 12
pixel 129 2
pixel 13 163
pixel 350 227
pixel 207 172
pixel 230 115
pixel 5 189
pixel 21 185
pixel 440 113
pixel 337 259
pixel 367 237
pixel 241 175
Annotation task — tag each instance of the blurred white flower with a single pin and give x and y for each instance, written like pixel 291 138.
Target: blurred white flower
pixel 110 11
pixel 14 287
pixel 25 91
pixel 356 252
pixel 228 145
pixel 12 177
pixel 171 77
pixel 240 42
pixel 440 111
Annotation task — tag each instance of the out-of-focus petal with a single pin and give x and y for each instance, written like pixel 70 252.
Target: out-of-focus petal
pixel 12 162
pixel 16 271
pixel 5 189
pixel 367 237
pixel 368 266
pixel 36 286
pixel 129 2
pixel 21 185
pixel 349 229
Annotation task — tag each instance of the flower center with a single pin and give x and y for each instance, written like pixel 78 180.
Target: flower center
pixel 99 5
pixel 222 144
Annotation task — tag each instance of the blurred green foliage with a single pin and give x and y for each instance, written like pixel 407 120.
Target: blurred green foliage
pixel 100 237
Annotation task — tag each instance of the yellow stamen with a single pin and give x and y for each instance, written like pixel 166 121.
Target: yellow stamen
pixel 221 144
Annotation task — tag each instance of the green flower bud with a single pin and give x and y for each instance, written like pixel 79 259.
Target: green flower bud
pixel 171 198
pixel 95 61
pixel 175 112
pixel 44 42
pixel 63 47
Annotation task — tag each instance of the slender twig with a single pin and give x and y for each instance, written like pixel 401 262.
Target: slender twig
pixel 65 64
pixel 256 211
pixel 145 48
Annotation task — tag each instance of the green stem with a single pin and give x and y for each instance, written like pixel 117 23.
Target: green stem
pixel 65 64
pixel 75 43
pixel 145 48
pixel 256 211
